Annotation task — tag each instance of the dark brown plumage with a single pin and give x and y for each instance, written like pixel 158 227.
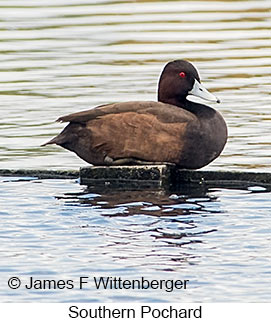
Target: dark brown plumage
pixel 173 130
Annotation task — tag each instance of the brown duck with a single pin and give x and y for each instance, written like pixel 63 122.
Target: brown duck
pixel 172 130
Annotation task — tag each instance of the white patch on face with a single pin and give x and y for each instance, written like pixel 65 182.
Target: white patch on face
pixel 200 91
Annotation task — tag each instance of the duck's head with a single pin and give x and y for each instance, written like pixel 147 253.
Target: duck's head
pixel 179 79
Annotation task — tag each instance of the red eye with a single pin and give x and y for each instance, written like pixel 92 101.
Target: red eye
pixel 182 74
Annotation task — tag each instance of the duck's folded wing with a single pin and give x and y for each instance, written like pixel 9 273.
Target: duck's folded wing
pixel 136 135
pixel 150 131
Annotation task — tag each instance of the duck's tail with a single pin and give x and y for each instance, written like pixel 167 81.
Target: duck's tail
pixel 56 140
pixel 66 136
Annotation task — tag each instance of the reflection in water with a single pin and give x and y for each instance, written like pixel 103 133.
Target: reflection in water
pixel 170 217
pixel 156 203
pixel 168 221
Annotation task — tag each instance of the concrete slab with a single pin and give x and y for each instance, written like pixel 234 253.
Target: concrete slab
pixel 129 177
pixel 166 177
pixel 40 173
pixel 148 177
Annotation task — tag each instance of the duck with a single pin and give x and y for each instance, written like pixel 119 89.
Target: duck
pixel 172 130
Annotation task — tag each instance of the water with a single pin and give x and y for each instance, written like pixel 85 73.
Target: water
pixel 218 239
pixel 58 57
pixel 62 56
